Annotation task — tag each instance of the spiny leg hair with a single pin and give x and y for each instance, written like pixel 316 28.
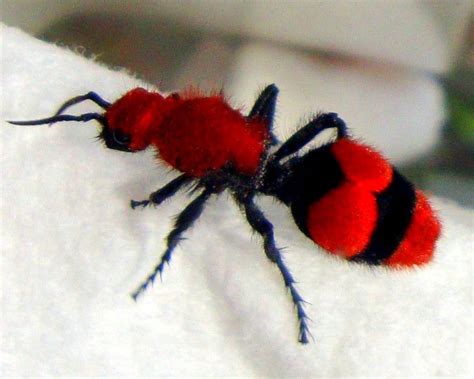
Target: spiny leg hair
pixel 168 190
pixel 183 222
pixel 261 225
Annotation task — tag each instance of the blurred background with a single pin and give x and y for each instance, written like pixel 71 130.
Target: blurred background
pixel 401 73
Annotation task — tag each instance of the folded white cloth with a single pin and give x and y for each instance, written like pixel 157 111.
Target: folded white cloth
pixel 72 250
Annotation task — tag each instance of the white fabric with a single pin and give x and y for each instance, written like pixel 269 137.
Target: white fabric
pixel 72 251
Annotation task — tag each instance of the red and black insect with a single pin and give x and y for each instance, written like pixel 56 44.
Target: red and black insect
pixel 343 195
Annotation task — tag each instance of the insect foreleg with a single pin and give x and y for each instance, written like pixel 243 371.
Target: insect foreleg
pixel 183 222
pixel 304 135
pixel 261 225
pixel 163 193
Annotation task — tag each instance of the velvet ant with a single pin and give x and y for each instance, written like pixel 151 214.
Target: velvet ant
pixel 343 195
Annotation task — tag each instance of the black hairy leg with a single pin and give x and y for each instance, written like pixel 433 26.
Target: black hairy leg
pixel 264 109
pixel 308 132
pixel 265 104
pixel 261 225
pixel 167 191
pixel 183 222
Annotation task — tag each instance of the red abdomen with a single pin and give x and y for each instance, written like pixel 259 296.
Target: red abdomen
pixel 366 212
pixel 417 247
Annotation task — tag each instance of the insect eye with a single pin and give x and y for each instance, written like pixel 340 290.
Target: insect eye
pixel 120 138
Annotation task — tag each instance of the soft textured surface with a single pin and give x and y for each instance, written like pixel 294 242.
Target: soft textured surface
pixel 72 250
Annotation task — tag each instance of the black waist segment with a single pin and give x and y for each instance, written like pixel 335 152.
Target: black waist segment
pixel 395 205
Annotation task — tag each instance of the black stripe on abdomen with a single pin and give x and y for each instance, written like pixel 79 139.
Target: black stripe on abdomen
pixel 395 209
pixel 312 176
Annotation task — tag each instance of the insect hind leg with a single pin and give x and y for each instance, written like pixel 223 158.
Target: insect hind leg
pixel 183 222
pixel 261 225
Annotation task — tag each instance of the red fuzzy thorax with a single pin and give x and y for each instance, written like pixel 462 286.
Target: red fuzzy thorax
pixel 204 134
pixel 193 134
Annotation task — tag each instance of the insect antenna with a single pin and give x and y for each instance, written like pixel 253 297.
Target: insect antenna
pixel 64 117
pixel 58 116
pixel 79 99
